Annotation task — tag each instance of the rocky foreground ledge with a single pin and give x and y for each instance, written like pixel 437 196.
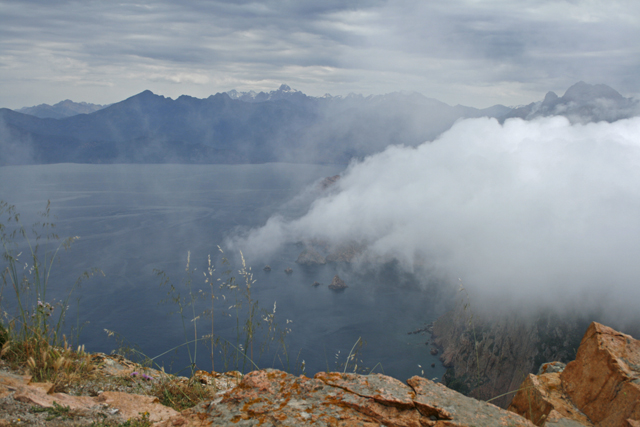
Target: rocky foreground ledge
pixel 272 397
pixel 600 388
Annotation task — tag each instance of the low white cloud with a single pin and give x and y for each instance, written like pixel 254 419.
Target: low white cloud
pixel 540 212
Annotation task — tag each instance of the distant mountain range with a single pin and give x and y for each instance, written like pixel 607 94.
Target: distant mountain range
pixel 280 126
pixel 62 109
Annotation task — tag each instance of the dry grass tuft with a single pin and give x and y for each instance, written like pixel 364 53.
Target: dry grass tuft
pixel 181 395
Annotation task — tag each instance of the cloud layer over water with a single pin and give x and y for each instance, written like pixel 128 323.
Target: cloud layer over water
pixel 538 212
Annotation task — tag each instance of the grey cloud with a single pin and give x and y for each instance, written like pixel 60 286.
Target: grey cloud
pixel 502 50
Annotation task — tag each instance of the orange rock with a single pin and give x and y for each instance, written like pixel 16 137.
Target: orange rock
pixel 450 408
pixel 11 382
pixel 540 399
pixel 37 396
pixel 133 405
pixel 272 397
pixel 604 380
pixel 128 405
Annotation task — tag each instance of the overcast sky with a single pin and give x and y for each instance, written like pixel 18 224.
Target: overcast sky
pixel 470 52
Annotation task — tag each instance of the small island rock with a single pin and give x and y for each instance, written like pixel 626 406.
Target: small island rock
pixel 288 270
pixel 316 284
pixel 337 284
pixel 267 268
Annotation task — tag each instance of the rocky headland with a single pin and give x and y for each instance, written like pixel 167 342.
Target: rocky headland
pixel 320 253
pixel 310 256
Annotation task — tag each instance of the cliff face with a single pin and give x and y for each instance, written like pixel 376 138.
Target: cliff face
pixel 502 352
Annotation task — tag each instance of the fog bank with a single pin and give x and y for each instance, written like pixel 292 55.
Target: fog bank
pixel 540 212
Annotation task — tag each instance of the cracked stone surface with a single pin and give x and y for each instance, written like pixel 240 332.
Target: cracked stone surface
pixel 273 397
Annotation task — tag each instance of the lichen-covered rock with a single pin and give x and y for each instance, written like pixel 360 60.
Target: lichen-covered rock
pixel 272 397
pixel 434 400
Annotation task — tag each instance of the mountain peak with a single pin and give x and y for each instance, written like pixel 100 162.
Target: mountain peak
pixel 550 97
pixel 581 92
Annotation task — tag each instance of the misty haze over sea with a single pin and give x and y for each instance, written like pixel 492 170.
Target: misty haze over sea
pixel 532 208
pixel 133 219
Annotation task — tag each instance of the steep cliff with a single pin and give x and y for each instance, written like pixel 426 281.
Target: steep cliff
pixel 488 357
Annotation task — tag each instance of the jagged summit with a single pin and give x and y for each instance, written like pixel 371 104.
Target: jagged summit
pixel 283 92
pixel 283 125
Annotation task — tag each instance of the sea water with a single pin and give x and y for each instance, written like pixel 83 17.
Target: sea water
pixel 134 220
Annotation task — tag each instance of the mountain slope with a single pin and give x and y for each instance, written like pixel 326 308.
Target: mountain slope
pixel 280 126
pixel 581 103
pixel 284 125
pixel 62 109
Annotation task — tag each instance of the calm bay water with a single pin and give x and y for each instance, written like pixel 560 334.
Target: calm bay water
pixel 133 219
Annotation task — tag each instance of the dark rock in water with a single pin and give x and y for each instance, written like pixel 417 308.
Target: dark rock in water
pixel 426 343
pixel 288 270
pixel 434 351
pixel 433 365
pixel 310 257
pixel 316 284
pixel 337 284
pixel 267 268
pixel 328 181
